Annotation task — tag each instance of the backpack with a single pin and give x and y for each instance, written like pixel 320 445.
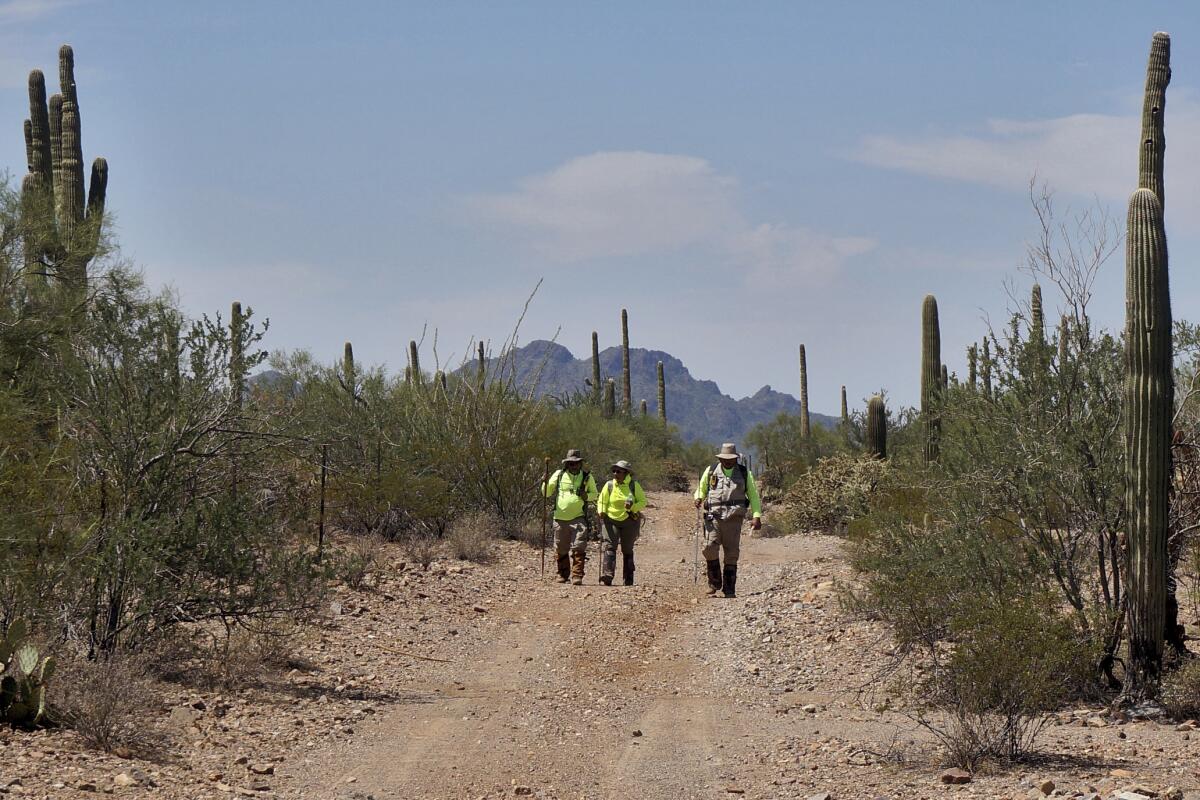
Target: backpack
pixel 582 486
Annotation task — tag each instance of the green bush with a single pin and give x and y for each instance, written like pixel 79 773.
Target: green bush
pixel 832 493
pixel 1181 691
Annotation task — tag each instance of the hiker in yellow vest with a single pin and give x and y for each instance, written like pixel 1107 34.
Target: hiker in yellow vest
pixel 727 491
pixel 572 489
pixel 620 509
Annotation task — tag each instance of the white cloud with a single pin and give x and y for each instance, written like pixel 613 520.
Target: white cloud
pixel 24 10
pixel 630 203
pixel 1084 154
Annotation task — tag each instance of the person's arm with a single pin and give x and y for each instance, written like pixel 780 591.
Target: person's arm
pixel 547 491
pixel 602 502
pixel 702 490
pixel 639 498
pixel 752 494
pixel 590 490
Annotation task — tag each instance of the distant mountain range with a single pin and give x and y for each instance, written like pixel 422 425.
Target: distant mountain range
pixel 698 407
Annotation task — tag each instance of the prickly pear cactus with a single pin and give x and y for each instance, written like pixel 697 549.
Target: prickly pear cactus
pixel 26 673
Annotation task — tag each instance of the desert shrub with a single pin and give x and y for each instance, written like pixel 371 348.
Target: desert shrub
pixel 1181 691
pixel 831 494
pixel 112 703
pixel 786 454
pixel 990 689
pixel 421 546
pixel 361 556
pixel 676 476
pixel 472 537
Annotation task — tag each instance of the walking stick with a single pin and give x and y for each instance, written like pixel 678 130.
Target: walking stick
pixel 545 484
pixel 696 547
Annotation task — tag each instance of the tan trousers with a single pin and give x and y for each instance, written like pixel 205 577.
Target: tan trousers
pixel 723 533
pixel 570 535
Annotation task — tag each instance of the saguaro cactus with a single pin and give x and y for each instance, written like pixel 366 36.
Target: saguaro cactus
pixel 414 363
pixel 805 430
pixel 1037 319
pixel 645 408
pixel 845 408
pixel 348 377
pixel 482 358
pixel 610 398
pixel 662 393
pixel 985 367
pixel 931 376
pixel 876 428
pixel 1149 397
pixel 62 227
pixel 972 367
pixel 237 355
pixel 1154 103
pixel 1064 340
pixel 597 389
pixel 626 389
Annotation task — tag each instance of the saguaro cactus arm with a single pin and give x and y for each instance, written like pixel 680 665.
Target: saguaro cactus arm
pixel 1154 102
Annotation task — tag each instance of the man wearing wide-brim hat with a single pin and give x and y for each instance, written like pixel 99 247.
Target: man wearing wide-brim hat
pixel 572 488
pixel 727 491
pixel 620 510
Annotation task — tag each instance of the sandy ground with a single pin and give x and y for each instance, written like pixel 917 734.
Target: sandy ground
pixel 489 682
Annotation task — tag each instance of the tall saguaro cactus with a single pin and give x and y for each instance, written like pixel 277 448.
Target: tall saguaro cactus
pixel 931 376
pixel 414 363
pixel 985 368
pixel 805 430
pixel 1154 143
pixel 1149 397
pixel 348 378
pixel 662 393
pixel 645 408
pixel 61 225
pixel 876 427
pixel 972 367
pixel 845 408
pixel 597 389
pixel 610 398
pixel 482 358
pixel 626 389
pixel 1037 319
pixel 237 355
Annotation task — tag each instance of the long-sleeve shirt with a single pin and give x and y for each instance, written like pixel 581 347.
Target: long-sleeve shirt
pixel 612 499
pixel 570 493
pixel 751 489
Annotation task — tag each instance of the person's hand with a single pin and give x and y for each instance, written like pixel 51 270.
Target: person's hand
pixel 699 502
pixel 757 524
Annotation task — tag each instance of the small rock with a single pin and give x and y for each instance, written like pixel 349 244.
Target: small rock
pixel 956 776
pixel 1046 786
pixel 1120 773
pixel 523 791
pixel 637 733
pixel 809 708
pixel 1143 791
pixel 480 609
pixel 335 609
pixel 124 779
pixel 734 790
pixel 262 769
pixel 1172 793
pixel 822 796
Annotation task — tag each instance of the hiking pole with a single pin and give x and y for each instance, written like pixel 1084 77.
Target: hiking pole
pixel 696 547
pixel 545 485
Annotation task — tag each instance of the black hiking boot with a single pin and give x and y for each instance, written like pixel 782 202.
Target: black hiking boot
pixel 729 583
pixel 627 568
pixel 714 577
pixel 608 567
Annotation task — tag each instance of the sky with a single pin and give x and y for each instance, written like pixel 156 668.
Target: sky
pixel 743 178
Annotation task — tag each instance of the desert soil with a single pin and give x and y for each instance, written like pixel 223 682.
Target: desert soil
pixel 469 681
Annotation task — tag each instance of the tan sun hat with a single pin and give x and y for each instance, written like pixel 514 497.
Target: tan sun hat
pixel 728 450
pixel 625 465
pixel 573 455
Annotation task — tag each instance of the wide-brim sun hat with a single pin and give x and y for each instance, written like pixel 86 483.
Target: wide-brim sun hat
pixel 623 464
pixel 728 450
pixel 573 455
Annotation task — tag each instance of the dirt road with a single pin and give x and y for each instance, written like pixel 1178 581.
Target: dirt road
pixel 589 691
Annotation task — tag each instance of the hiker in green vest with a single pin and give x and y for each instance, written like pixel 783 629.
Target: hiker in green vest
pixel 572 489
pixel 620 509
pixel 727 491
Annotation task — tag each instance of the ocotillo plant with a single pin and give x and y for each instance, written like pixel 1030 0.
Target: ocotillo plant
pixel 626 389
pixel 876 442
pixel 597 389
pixel 845 408
pixel 662 393
pixel 972 367
pixel 805 431
pixel 610 398
pixel 61 227
pixel 237 356
pixel 414 363
pixel 1149 397
pixel 348 368
pixel 1154 103
pixel 645 408
pixel 931 376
